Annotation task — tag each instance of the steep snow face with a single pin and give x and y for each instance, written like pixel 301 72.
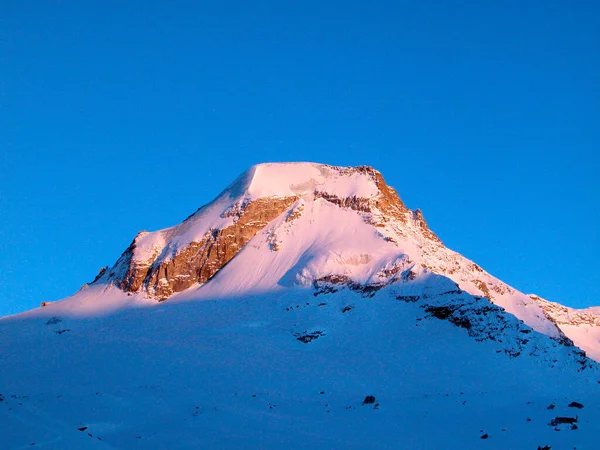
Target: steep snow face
pixel 275 180
pixel 322 240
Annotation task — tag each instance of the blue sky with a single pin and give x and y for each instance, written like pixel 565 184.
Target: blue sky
pixel 120 117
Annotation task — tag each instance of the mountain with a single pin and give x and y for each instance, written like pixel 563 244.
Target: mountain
pixel 305 306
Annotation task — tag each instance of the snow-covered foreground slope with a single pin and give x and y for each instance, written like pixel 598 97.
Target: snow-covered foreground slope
pixel 235 373
pixel 266 318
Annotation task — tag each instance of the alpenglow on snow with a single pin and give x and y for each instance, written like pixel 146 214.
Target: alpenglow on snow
pixel 305 306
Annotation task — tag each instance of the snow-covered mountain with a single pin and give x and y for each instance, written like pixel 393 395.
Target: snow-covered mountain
pixel 268 317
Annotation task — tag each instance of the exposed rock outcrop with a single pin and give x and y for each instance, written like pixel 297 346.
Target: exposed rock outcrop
pixel 353 202
pixel 420 221
pixel 382 209
pixel 563 315
pixel 198 261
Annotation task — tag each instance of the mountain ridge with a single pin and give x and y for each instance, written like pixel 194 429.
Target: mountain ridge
pixel 169 261
pixel 269 201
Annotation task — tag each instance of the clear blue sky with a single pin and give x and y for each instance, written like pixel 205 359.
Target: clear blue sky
pixel 122 116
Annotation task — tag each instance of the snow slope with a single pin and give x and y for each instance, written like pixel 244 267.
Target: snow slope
pixel 231 373
pixel 582 326
pixel 264 180
pixel 342 294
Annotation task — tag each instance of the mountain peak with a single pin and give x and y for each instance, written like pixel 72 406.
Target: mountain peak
pixel 262 200
pixel 302 178
pixel 321 227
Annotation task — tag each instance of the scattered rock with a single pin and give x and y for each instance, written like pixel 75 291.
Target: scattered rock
pixel 369 399
pixel 560 420
pixel 440 312
pixel 408 298
pixel 574 427
pixel 485 436
pixel 331 284
pixel 545 447
pixel 575 405
pixel 82 428
pixel 551 406
pixel 308 337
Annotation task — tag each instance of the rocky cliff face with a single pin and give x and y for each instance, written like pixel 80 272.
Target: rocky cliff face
pixel 198 261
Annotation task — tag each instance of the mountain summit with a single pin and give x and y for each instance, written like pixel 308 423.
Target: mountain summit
pixel 305 306
pixel 320 207
pixel 313 225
